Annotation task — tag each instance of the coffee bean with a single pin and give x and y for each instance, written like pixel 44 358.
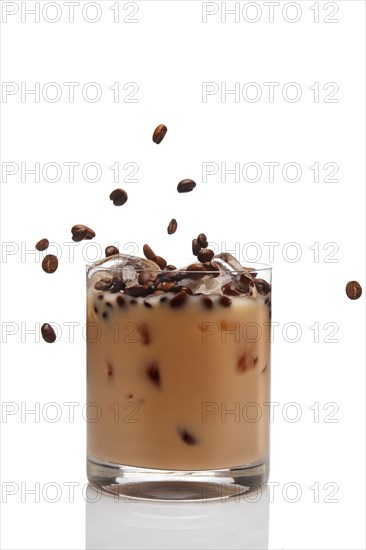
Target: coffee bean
pixel 154 374
pixel 159 133
pixel 179 299
pixel 138 290
pixel 121 301
pixel 143 330
pixel 78 233
pixel 109 369
pixel 100 297
pixel 180 288
pixel 48 334
pixel 50 263
pixel 146 277
pixel 171 267
pixel 42 244
pixel 185 186
pixel 229 289
pixel 81 232
pixel 243 282
pixel 225 301
pixel 118 284
pixel 111 251
pixel 103 284
pixel 196 247
pixel 166 287
pixel 196 271
pixel 207 302
pixel 205 255
pixel 147 304
pixel 187 437
pixel 262 286
pixel 119 197
pixel 108 304
pixel 202 240
pixel 353 290
pixel 163 299
pixel 161 262
pixel 172 227
pixel 105 315
pixel 149 253
pixel 213 267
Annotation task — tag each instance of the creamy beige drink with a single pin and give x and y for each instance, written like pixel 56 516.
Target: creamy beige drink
pixel 178 367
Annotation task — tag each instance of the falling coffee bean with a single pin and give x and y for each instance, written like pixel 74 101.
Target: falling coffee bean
pixel 353 290
pixel 111 251
pixel 205 255
pixel 149 253
pixel 159 133
pixel 50 263
pixel 202 240
pixel 185 186
pixel 81 232
pixel 172 227
pixel 42 244
pixel 225 301
pixel 119 197
pixel 48 334
pixel 162 263
pixel 196 247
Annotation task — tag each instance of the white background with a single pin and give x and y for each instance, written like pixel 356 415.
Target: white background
pixel 169 53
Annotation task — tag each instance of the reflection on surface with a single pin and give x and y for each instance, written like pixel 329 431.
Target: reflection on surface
pixel 240 522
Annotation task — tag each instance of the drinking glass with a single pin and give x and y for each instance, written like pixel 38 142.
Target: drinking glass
pixel 178 385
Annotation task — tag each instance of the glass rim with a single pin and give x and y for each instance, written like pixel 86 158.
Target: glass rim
pixel 100 265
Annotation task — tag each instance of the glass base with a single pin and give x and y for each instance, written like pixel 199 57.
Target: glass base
pixel 132 482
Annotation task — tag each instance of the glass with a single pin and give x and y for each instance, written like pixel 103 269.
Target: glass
pixel 178 393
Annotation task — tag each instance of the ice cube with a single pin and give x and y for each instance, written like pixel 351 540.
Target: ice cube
pixel 227 262
pixel 129 273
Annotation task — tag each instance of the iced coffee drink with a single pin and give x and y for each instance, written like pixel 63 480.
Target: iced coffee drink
pixel 178 372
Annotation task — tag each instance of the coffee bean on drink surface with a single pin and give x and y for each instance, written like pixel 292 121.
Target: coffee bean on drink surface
pixel 159 133
pixel 146 277
pixel 196 247
pixel 185 186
pixel 205 255
pixel 111 251
pixel 172 227
pixel 48 334
pixel 353 290
pixel 103 284
pixel 81 232
pixel 149 253
pixel 42 244
pixel 138 290
pixel 119 197
pixel 50 263
pixel 262 286
pixel 195 271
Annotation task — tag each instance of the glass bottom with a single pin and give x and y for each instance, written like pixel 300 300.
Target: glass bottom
pixel 135 483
